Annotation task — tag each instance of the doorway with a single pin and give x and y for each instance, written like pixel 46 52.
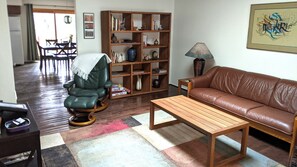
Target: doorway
pixel 54 24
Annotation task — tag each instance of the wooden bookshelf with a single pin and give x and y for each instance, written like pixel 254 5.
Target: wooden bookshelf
pixel 130 29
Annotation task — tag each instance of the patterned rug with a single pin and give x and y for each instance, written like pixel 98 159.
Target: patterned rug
pixel 130 143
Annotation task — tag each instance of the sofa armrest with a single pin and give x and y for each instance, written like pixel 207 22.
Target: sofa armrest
pixel 204 80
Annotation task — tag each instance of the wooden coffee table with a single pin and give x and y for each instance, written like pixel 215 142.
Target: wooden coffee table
pixel 206 119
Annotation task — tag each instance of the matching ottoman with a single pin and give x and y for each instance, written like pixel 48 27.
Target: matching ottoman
pixel 81 109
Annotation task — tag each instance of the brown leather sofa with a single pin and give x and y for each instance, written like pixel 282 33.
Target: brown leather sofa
pixel 268 103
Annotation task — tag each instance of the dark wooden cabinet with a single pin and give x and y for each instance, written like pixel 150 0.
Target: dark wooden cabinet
pixel 148 33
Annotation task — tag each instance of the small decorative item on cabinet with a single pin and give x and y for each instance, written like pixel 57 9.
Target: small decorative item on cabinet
pixel 147 57
pixel 156 83
pixel 156 42
pixel 131 54
pixel 113 57
pixel 119 57
pixel 138 83
pixel 155 55
pixel 114 39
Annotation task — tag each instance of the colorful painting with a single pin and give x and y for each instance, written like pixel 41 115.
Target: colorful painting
pixel 273 27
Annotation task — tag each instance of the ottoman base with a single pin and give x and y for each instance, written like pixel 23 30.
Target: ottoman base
pixel 82 120
pixel 81 109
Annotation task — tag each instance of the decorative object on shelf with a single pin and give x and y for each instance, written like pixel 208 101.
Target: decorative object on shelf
pixel 119 57
pixel 156 83
pixel 200 52
pixel 146 57
pixel 156 70
pixel 113 57
pixel 122 25
pixel 131 54
pixel 156 42
pixel 114 39
pixel 160 27
pixel 150 41
pixel 89 26
pixel 138 83
pixel 155 55
pixel 145 40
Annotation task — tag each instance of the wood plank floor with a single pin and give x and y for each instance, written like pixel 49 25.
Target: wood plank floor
pixel 45 95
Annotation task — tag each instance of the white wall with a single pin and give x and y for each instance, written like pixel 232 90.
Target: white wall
pixel 223 26
pixel 95 6
pixel 7 88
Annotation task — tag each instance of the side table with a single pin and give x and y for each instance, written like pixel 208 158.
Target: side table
pixel 184 82
pixel 23 141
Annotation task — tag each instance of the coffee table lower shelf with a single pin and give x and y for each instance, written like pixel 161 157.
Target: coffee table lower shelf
pixel 206 119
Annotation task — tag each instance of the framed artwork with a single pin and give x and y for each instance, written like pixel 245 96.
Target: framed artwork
pixel 89 25
pixel 273 27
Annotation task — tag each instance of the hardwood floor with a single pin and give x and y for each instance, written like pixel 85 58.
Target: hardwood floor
pixel 45 95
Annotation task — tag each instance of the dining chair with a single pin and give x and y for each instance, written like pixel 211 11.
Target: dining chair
pixel 43 58
pixel 72 52
pixel 62 54
pixel 50 42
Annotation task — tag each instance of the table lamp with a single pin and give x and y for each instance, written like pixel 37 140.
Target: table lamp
pixel 200 52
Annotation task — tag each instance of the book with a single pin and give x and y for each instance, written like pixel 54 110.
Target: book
pixel 117 87
pixel 119 93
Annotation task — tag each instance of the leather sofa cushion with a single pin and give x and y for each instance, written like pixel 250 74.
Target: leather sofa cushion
pixel 273 118
pixel 227 79
pixel 257 87
pixel 79 92
pixel 207 95
pixel 236 105
pixel 284 96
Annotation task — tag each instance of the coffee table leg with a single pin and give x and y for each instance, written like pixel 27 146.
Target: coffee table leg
pixel 244 138
pixel 211 150
pixel 152 116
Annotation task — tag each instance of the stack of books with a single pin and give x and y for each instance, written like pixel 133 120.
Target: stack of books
pixel 118 89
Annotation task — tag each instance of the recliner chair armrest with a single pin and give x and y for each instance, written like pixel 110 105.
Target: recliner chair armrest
pixel 108 84
pixel 68 84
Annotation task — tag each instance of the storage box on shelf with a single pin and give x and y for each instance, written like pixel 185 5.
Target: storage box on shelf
pixel 149 34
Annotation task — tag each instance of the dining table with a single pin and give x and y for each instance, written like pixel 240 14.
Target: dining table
pixel 58 48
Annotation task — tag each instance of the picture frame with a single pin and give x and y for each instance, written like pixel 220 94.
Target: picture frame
pixel 273 27
pixel 89 25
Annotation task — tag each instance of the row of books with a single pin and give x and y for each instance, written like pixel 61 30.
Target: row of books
pixel 117 23
pixel 118 89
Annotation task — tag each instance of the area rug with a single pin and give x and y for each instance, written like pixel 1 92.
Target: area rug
pixel 129 143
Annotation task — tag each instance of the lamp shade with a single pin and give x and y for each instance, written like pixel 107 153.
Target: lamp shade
pixel 200 51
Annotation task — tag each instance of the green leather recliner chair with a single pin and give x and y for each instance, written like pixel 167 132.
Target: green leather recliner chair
pixel 88 96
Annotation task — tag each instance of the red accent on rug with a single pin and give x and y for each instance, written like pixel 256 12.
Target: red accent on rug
pixel 92 131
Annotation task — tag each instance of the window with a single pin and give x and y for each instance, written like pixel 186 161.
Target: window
pixel 50 24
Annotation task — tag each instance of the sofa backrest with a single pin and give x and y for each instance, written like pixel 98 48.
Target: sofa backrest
pixel 265 89
pixel 257 87
pixel 284 96
pixel 227 79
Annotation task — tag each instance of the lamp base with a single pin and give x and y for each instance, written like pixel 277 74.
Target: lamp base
pixel 198 66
